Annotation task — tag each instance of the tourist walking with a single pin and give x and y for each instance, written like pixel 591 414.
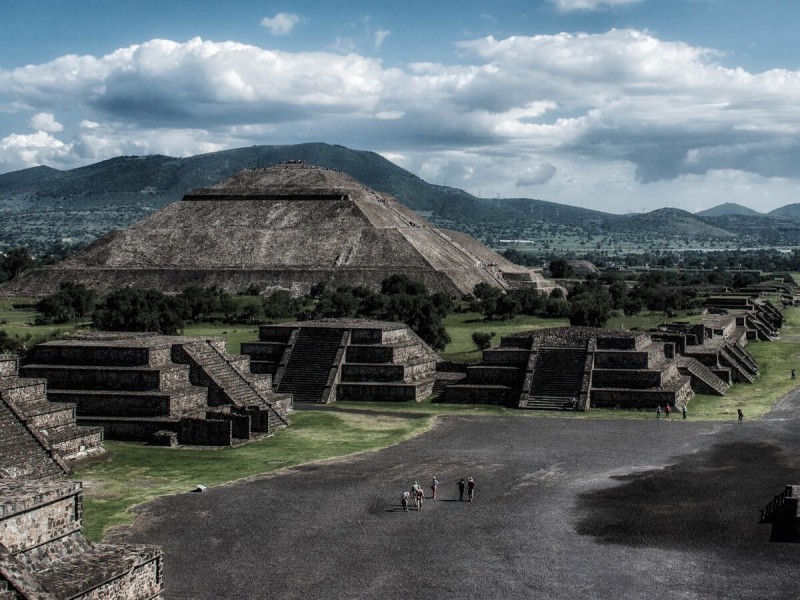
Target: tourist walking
pixel 461 485
pixel 418 498
pixel 434 487
pixel 683 410
pixel 470 488
pixel 668 410
pixel 741 414
pixel 794 374
pixel 658 411
pixel 404 500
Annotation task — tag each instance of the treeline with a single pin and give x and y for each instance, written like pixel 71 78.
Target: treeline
pixel 400 299
pixel 768 260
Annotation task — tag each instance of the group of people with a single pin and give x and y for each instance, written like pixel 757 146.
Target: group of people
pixel 417 494
pixel 668 411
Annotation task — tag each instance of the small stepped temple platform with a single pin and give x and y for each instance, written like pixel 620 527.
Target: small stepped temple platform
pixel 43 554
pixel 287 226
pixel 161 389
pixel 55 422
pixel 783 512
pixel 717 343
pixel 344 359
pixel 575 368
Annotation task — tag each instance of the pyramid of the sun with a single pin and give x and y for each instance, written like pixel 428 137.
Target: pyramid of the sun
pixel 286 226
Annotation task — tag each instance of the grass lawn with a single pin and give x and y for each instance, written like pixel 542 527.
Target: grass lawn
pixel 136 473
pixel 234 334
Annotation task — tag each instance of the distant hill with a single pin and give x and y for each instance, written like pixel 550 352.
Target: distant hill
pixel 41 206
pixel 728 208
pixel 791 211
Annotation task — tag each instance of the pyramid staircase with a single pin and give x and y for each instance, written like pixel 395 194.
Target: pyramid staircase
pixel 731 356
pixel 313 360
pixel 54 421
pixel 344 359
pixel 558 378
pixel 704 380
pixel 232 389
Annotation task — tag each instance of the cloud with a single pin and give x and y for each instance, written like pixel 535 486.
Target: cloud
pixel 23 151
pixel 280 24
pixel 380 37
pixel 566 6
pixel 584 105
pixel 45 121
pixel 535 175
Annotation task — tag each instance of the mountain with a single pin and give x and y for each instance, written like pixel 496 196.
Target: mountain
pixel 42 206
pixel 791 211
pixel 728 208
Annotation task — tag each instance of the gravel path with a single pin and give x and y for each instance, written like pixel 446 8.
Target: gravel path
pixel 564 508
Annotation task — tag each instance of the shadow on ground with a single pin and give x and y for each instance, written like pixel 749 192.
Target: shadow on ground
pixel 708 499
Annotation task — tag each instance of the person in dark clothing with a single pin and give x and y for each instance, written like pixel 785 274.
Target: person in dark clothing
pixel 461 485
pixel 470 488
pixel 668 410
pixel 741 414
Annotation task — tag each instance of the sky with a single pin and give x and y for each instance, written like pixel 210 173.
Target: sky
pixel 616 105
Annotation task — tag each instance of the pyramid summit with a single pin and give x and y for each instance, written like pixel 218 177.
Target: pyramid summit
pixel 285 226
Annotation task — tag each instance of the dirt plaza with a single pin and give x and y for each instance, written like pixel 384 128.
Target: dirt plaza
pixel 564 508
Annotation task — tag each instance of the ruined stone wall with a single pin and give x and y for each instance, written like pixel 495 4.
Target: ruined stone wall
pixel 200 432
pixel 609 359
pixel 93 354
pixel 627 378
pixel 109 378
pixel 40 524
pixel 368 372
pixel 29 392
pixel 74 446
pixel 141 430
pixel 630 398
pixel 506 356
pixel 143 581
pixel 384 392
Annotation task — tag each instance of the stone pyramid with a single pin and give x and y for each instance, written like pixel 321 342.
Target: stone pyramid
pixel 285 226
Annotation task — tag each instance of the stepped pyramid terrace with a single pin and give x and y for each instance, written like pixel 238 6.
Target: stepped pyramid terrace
pixel 344 359
pixel 53 422
pixel 576 368
pixel 286 226
pixel 161 389
pixel 43 554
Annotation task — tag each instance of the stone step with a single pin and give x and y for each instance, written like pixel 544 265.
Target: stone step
pixel 144 403
pixel 23 390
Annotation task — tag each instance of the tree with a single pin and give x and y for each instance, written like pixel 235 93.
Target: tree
pixel 16 261
pixel 483 339
pixel 133 309
pixel 72 300
pixel 559 268
pixel 278 305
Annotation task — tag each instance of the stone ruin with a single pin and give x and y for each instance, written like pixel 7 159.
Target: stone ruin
pixel 344 359
pixel 54 422
pixel 161 389
pixel 288 226
pixel 43 554
pixel 575 368
pixel 783 513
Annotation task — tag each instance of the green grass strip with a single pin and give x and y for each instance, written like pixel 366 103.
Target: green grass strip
pixel 136 473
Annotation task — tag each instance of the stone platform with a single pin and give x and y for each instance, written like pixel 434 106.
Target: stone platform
pixel 162 389
pixel 345 359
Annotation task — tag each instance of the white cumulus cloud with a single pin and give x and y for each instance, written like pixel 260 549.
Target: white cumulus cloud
pixel 45 121
pixel 281 24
